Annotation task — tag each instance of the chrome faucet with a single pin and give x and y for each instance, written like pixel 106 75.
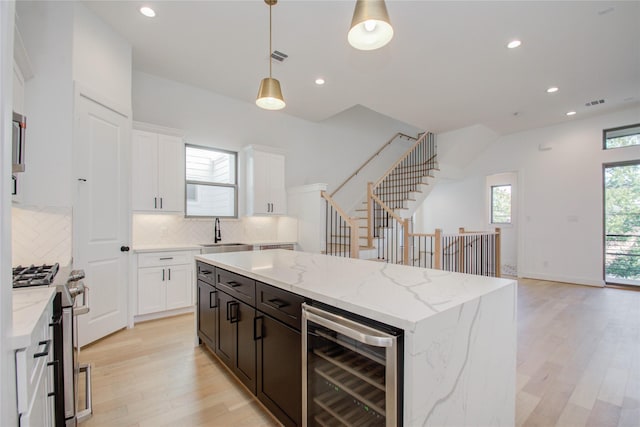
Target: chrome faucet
pixel 217 235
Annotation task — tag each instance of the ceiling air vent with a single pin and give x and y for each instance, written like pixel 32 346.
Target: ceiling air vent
pixel 279 56
pixel 595 102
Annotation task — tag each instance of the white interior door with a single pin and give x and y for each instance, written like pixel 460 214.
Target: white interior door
pixel 100 216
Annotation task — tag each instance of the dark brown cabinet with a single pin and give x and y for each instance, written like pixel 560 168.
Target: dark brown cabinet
pixel 254 329
pixel 280 372
pixel 236 345
pixel 207 304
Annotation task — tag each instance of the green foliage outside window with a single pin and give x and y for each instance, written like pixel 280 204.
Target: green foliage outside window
pixel 501 204
pixel 622 221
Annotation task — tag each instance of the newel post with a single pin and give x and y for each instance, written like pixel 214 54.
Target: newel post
pixel 355 244
pixel 405 238
pixel 437 262
pixel 461 248
pixel 369 215
pixel 498 251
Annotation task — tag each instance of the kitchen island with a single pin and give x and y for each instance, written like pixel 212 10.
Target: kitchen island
pixel 459 358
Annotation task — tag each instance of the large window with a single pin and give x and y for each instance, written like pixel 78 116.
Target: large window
pixel 501 204
pixel 211 182
pixel 624 136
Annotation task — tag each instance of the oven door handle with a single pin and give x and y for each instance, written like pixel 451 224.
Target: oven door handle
pixel 349 328
pixel 84 308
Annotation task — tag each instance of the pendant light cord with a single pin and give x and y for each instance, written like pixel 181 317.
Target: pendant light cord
pixel 270 48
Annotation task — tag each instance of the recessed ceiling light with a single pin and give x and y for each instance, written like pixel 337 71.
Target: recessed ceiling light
pixel 571 113
pixel 319 81
pixel 552 89
pixel 514 44
pixel 147 11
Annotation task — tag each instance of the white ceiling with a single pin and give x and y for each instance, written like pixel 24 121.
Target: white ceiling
pixel 447 66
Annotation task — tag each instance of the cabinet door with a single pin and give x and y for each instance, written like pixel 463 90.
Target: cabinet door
pixel 170 173
pixel 207 304
pixel 246 347
pixel 38 413
pixel 178 286
pixel 151 290
pixel 226 333
pixel 261 197
pixel 280 371
pixel 144 171
pixel 277 192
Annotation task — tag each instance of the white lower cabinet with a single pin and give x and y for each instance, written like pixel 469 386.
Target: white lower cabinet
pixel 165 281
pixel 33 378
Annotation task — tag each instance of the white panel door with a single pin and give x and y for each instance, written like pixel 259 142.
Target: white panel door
pixel 100 217
pixel 277 192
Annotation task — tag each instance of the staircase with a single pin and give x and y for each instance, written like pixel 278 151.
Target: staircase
pixel 372 227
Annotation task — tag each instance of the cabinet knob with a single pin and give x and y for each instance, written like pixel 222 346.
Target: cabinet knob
pixel 124 248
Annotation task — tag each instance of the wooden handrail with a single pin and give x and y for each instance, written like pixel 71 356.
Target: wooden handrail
pixel 387 208
pixel 404 156
pixel 373 156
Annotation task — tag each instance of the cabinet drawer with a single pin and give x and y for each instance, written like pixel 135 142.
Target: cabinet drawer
pixel 206 273
pixel 237 286
pixel 159 259
pixel 280 304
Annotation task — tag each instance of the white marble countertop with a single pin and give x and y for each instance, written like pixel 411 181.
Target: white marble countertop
pixel 397 295
pixel 165 247
pixel 28 306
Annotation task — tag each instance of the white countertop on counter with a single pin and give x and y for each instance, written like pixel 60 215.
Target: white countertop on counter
pixel 165 247
pixel 28 306
pixel 398 295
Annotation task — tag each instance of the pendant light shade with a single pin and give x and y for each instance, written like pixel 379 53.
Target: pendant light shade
pixel 270 95
pixel 370 27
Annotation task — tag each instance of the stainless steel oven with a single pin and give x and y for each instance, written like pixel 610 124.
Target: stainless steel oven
pixel 351 368
pixel 72 369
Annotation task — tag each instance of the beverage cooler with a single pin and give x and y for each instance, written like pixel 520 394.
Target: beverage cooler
pixel 352 370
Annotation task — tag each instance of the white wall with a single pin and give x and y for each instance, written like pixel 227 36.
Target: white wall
pixel 7 361
pixel 101 58
pixel 66 45
pixel 47 33
pixel 560 195
pixel 328 151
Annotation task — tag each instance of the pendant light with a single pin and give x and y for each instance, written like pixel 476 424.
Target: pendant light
pixel 270 95
pixel 370 27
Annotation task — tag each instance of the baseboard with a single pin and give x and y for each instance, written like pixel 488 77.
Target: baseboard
pixel 564 279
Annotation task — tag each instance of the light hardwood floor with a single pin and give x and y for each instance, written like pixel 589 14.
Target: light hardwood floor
pixel 578 365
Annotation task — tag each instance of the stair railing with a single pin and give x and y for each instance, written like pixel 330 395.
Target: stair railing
pixel 407 172
pixel 472 252
pixel 373 156
pixel 341 231
pixel 392 232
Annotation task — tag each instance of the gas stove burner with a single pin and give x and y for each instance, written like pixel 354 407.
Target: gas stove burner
pixel 40 275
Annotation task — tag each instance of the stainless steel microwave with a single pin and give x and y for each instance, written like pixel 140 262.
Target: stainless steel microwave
pixel 19 127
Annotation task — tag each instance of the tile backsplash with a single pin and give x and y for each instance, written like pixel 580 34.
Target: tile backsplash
pixel 153 229
pixel 41 235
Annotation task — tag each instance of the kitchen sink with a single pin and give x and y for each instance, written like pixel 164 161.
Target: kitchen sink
pixel 216 248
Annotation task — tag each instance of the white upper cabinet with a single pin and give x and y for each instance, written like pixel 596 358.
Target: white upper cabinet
pixel 158 172
pixel 266 193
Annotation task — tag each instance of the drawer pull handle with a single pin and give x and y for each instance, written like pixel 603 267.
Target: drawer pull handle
pixel 166 258
pixel 234 284
pixel 276 303
pixel 206 272
pixel 45 351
